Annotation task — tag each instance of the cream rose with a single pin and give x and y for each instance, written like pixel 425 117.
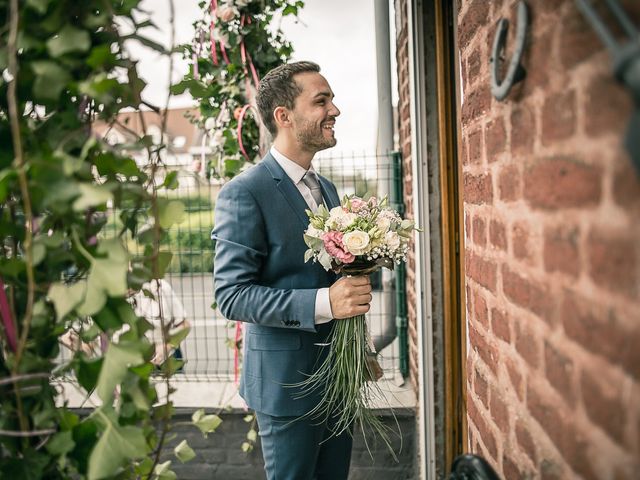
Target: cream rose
pixel 339 219
pixel 383 224
pixel 356 242
pixel 392 239
pixel 314 232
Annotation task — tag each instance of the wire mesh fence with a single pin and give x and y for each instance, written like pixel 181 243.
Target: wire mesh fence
pixel 208 351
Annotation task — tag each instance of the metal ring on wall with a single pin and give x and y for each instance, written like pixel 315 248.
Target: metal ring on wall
pixel 515 71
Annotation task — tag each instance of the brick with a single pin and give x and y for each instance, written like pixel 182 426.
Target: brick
pixel 495 138
pixel 559 371
pixel 509 183
pixel 481 388
pixel 500 325
pixel 604 405
pixel 499 411
pixel 464 157
pixel 560 182
pixel 607 107
pixel 478 189
pixel 578 41
pixel 613 263
pixel 561 430
pixel 480 309
pixel 527 294
pixel 515 377
pixel 599 330
pixel 480 270
pixel 498 234
pixel 479 232
pixel 487 436
pixel 626 186
pixel 467 225
pixel 561 250
pixel 520 241
pixel 527 345
pixel 474 62
pixel 523 129
pixel 559 117
pixel 475 147
pixel 510 468
pixel 476 103
pixel 487 353
pixel 538 62
pixel 474 19
pixel 525 441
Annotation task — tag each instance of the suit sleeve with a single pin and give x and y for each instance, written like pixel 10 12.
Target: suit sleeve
pixel 241 249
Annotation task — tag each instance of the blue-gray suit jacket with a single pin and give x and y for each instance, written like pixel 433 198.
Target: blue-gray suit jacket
pixel 261 278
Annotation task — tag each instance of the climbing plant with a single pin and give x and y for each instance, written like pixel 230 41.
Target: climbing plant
pixel 64 66
pixel 236 42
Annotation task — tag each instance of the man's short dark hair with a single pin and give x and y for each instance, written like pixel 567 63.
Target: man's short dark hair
pixel 279 89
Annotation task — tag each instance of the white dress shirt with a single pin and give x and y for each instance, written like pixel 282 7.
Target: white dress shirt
pixel 295 172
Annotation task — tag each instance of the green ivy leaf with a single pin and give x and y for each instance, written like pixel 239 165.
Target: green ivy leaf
pixel 184 452
pixel 118 359
pixel 252 435
pixel 61 443
pixel 163 471
pixel 206 423
pixel 69 39
pixel 116 445
pixel 176 339
pixel 171 180
pixel 91 196
pixel 51 79
pixel 39 6
pixel 171 211
pixel 66 298
pixel 88 371
pixel 246 447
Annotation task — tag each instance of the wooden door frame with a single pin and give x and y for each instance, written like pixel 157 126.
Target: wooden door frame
pixel 452 230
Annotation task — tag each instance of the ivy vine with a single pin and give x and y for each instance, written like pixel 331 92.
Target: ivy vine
pixel 62 278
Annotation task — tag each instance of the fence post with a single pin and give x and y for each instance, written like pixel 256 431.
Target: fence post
pixel 397 202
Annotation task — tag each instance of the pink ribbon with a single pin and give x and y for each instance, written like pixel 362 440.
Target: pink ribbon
pixel 241 116
pixel 7 319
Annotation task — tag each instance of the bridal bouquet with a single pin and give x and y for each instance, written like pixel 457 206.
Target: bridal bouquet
pixel 356 238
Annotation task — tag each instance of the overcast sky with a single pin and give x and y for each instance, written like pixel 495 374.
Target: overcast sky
pixel 337 34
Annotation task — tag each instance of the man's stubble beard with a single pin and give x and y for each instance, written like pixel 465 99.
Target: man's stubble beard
pixel 312 138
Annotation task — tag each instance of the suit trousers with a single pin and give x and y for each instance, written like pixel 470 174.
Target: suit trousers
pixel 296 448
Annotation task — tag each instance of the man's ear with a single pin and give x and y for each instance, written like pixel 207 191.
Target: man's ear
pixel 282 117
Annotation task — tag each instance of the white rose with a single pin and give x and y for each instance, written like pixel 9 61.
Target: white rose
pixel 392 239
pixel 242 3
pixel 314 232
pixel 339 219
pixel 356 241
pixel 383 224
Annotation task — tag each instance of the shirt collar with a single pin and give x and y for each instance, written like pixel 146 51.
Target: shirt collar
pixel 294 171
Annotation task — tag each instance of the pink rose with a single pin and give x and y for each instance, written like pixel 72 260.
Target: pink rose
pixel 226 14
pixel 334 247
pixel 357 204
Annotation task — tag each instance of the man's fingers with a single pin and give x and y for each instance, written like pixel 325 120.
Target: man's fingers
pixel 357 281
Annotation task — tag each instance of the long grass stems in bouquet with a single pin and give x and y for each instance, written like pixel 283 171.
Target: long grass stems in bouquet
pixel 357 238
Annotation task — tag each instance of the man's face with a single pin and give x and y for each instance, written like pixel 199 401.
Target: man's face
pixel 314 114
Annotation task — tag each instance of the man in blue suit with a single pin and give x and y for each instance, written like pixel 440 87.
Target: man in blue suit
pixel 261 277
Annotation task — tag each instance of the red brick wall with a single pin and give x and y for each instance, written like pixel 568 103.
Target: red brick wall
pixel 402 57
pixel 552 230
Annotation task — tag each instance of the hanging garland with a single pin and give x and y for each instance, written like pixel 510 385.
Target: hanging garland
pixel 235 43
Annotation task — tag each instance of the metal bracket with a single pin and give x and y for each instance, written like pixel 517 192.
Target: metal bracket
pixel 515 71
pixel 626 64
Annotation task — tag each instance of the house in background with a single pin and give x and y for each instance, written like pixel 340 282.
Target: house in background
pixel 188 146
pixel 524 290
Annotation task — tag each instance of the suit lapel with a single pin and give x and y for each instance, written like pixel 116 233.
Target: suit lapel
pixel 286 187
pixel 327 193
